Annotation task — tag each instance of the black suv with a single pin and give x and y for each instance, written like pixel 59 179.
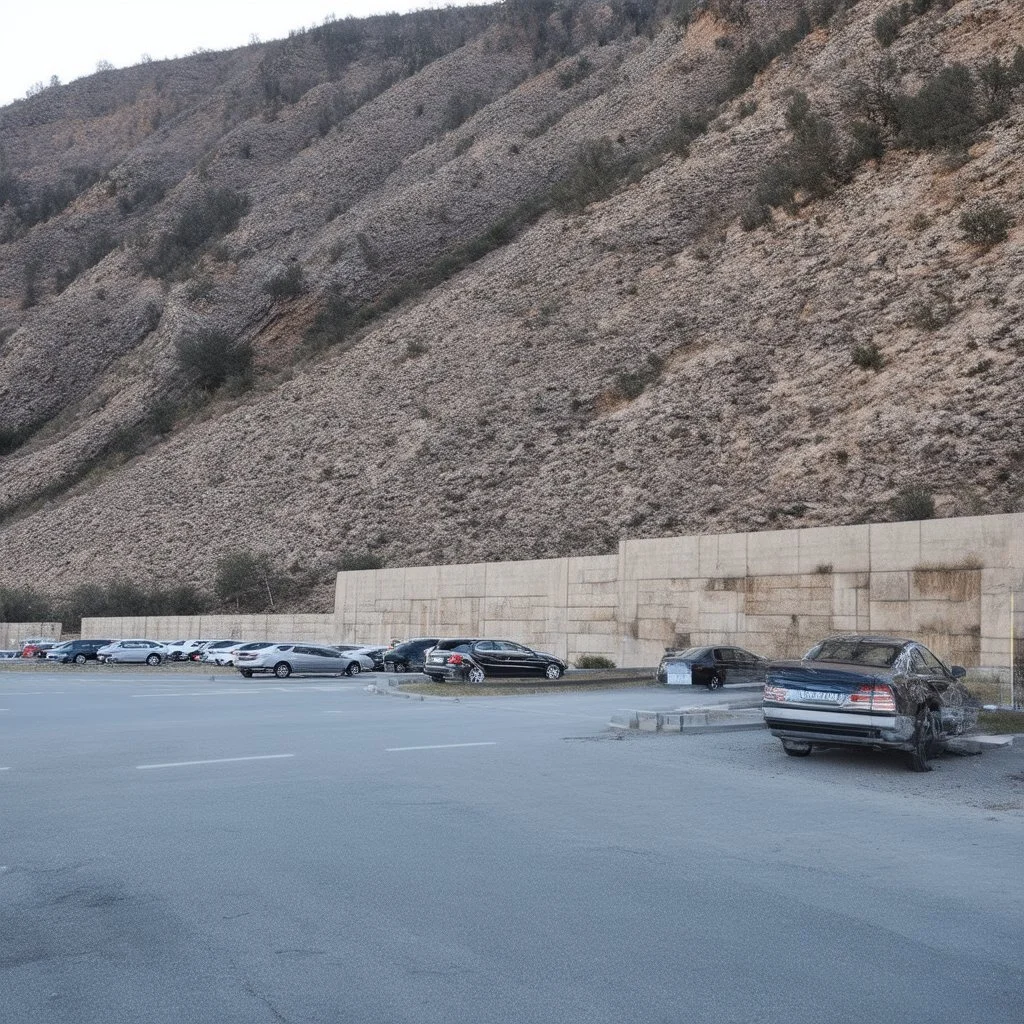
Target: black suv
pixel 78 651
pixel 447 659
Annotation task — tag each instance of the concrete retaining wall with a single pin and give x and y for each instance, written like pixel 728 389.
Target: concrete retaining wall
pixel 314 628
pixel 13 633
pixel 944 581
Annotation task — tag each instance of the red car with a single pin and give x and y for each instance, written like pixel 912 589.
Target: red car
pixel 37 648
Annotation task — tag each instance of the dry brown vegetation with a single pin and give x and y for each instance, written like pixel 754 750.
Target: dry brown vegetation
pixel 516 281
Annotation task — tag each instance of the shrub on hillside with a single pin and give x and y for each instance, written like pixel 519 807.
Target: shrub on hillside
pixel 288 284
pixel 246 580
pixel 213 214
pixel 211 358
pixel 576 72
pixel 987 223
pixel 595 175
pixel 25 604
pixel 943 114
pixel 913 502
pixel 868 356
pixel 122 597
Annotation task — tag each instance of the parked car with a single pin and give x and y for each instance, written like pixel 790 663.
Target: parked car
pixel 711 667
pixel 77 651
pixel 119 652
pixel 474 660
pixel 9 655
pixel 179 650
pixel 37 648
pixel 230 655
pixel 882 692
pixel 447 660
pixel 217 652
pixel 372 656
pixel 284 660
pixel 408 656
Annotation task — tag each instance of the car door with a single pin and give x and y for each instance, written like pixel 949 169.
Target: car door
pixel 486 655
pixel 520 660
pixel 303 659
pixel 330 662
pixel 724 664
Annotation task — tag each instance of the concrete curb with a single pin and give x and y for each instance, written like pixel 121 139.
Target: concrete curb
pixel 390 691
pixel 692 722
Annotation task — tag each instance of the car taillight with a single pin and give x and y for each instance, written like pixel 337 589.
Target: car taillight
pixel 455 659
pixel 776 693
pixel 873 698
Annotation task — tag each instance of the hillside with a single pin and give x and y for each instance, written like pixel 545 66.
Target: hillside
pixel 517 281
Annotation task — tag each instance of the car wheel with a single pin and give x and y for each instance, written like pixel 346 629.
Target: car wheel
pixel 715 683
pixel 553 671
pixel 353 669
pixel 282 670
pixel 246 672
pixel 153 659
pixel 475 675
pixel 80 659
pixel 796 749
pixel 926 739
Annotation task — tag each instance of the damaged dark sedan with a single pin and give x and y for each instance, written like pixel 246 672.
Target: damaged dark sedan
pixel 880 692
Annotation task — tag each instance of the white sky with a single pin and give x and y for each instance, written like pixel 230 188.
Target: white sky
pixel 40 38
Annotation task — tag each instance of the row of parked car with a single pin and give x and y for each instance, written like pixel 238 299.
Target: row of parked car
pixel 880 692
pixel 442 659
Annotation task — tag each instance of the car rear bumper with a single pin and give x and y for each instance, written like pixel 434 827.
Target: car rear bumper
pixel 449 673
pixel 894 732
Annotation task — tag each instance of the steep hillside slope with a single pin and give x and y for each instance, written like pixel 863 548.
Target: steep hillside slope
pixel 659 273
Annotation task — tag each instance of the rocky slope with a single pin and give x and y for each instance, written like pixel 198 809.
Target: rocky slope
pixel 574 358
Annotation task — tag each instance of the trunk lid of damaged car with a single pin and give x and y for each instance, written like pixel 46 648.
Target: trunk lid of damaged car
pixel 830 687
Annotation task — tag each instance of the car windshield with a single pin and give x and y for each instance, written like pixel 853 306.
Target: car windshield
pixel 856 652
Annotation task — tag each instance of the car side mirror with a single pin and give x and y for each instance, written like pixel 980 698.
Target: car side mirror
pixel 958 671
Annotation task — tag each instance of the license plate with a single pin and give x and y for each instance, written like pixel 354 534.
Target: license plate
pixel 824 696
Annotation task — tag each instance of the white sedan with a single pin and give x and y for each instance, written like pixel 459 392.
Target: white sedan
pixel 148 652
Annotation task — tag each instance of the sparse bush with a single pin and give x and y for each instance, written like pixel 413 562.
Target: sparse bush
pixel 593 661
pixel 912 503
pixel 943 113
pixel 246 580
pixel 213 214
pixel 122 597
pixel 686 128
pixel 461 106
pixel 889 23
pixel 352 563
pixel 868 356
pixel 26 604
pixel 867 142
pixel 630 384
pixel 211 358
pixel 147 193
pixel 576 72
pixel 932 313
pixel 595 175
pixel 288 284
pixel 987 223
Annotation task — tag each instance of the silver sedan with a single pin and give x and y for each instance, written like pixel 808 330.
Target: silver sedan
pixel 288 659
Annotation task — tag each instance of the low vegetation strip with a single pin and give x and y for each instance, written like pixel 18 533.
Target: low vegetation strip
pixel 1001 723
pixel 522 687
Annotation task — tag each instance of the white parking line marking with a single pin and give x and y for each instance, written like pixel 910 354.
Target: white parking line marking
pixel 5 769
pixel 441 746
pixel 30 693
pixel 198 693
pixel 212 760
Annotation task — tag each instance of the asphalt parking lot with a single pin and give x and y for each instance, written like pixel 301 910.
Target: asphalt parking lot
pixel 176 849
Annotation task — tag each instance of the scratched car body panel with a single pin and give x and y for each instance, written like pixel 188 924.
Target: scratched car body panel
pixel 869 691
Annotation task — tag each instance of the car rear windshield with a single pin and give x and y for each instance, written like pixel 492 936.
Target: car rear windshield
pixel 690 652
pixel 856 652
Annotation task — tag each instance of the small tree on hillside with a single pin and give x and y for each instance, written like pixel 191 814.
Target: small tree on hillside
pixel 245 579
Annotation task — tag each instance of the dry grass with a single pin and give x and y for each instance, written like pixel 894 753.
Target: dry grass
pixel 990 689
pixel 1001 722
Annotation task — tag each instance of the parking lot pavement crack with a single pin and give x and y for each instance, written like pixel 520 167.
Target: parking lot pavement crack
pixel 256 994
